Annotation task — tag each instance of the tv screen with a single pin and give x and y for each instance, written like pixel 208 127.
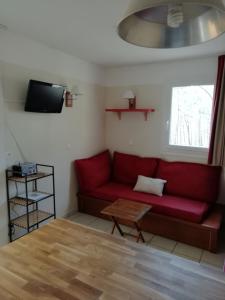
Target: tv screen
pixel 44 97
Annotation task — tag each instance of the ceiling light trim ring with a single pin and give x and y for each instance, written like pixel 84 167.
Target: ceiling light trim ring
pixel 207 26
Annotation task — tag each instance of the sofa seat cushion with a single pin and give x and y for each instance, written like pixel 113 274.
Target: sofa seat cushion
pixel 190 180
pixel 181 208
pixel 94 171
pixel 127 167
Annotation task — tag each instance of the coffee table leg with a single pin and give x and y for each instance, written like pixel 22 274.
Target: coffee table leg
pixel 116 224
pixel 140 235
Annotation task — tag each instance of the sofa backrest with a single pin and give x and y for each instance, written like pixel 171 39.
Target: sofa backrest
pixel 94 171
pixel 127 167
pixel 191 180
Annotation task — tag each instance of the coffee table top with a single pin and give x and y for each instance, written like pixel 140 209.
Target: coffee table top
pixel 127 210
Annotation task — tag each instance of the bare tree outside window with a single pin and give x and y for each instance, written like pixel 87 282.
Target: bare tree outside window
pixel 191 116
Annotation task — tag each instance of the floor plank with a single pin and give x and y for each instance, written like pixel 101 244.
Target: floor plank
pixel 64 260
pixel 179 249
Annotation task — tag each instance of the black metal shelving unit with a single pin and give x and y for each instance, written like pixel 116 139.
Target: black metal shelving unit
pixel 31 215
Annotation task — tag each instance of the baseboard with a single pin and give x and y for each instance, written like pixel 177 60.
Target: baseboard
pixel 70 213
pixel 4 236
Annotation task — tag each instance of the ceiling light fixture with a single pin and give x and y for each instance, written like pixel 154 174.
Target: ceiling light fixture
pixel 172 23
pixel 175 15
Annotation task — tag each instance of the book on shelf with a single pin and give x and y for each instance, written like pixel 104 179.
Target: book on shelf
pixel 34 196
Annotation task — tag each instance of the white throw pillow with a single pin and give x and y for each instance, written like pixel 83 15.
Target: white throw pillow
pixel 149 185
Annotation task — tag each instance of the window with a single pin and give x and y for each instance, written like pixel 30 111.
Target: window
pixel 191 116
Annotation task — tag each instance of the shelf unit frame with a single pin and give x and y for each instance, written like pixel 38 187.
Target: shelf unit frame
pixel 27 221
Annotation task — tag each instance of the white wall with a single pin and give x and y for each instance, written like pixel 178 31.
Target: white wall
pixel 56 139
pixel 28 53
pixel 187 72
pixel 80 131
pixel 152 83
pixel 3 206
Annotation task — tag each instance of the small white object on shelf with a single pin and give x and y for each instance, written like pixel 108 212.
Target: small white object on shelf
pixel 34 196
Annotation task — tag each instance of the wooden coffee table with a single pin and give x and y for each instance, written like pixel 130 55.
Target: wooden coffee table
pixel 129 211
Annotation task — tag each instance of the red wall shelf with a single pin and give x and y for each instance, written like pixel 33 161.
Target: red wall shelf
pixel 119 111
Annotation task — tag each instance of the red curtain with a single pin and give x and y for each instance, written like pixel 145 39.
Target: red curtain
pixel 215 111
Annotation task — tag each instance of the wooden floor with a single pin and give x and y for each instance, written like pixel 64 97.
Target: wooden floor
pixel 64 260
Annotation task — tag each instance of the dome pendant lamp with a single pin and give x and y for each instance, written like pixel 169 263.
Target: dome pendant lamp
pixel 172 23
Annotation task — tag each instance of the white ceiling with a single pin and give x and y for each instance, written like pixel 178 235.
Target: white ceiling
pixel 88 29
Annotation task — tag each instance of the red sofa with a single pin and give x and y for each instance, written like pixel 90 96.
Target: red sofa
pixel 186 212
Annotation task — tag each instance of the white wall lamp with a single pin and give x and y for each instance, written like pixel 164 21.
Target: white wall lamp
pixel 71 95
pixel 130 96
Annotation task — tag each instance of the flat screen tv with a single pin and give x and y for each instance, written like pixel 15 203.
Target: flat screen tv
pixel 44 97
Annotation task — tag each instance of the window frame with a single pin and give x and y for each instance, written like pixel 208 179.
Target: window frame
pixel 180 149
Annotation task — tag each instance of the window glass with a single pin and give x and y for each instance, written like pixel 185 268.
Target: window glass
pixel 191 116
